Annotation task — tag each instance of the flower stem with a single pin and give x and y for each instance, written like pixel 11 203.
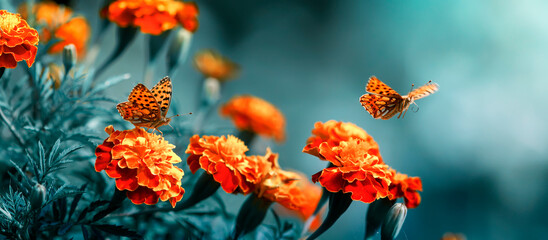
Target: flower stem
pixel 12 129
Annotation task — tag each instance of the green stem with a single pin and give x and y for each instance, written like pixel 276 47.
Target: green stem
pixel 10 126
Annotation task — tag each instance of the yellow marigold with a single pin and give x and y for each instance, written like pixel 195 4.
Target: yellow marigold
pixel 17 40
pixel 333 132
pixel 212 64
pixel 354 171
pixel 225 159
pixel 142 163
pixel 256 115
pixel 152 16
pixel 59 22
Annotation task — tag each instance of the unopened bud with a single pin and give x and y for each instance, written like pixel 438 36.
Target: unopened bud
pixel 212 91
pixel 178 48
pixel 393 221
pixel 37 196
pixel 69 56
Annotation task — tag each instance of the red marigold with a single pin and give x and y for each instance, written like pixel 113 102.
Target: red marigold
pixel 17 40
pixel 59 23
pixel 212 64
pixel 406 187
pixel 333 132
pixel 256 115
pixel 355 170
pixel 290 189
pixel 152 16
pixel 225 159
pixel 142 163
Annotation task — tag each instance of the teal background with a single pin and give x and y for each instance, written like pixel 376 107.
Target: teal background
pixel 478 144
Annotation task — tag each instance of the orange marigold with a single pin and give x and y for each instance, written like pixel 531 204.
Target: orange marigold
pixel 355 171
pixel 290 189
pixel 142 163
pixel 17 40
pixel 59 22
pixel 333 132
pixel 212 64
pixel 225 159
pixel 256 115
pixel 406 187
pixel 152 16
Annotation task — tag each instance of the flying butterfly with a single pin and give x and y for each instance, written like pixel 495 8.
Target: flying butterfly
pixel 148 108
pixel 384 102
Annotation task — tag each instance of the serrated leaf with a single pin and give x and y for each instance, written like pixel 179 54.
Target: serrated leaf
pixel 75 201
pixel 64 228
pixel 108 83
pixel 92 206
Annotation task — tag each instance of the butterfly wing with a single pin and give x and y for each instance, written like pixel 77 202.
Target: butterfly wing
pixel 141 109
pixel 375 86
pixel 162 93
pixel 423 91
pixel 380 106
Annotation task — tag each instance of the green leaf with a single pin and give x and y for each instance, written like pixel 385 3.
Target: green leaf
pixel 117 230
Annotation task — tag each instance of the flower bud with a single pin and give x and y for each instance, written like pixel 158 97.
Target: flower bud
pixel 212 91
pixel 178 48
pixel 393 221
pixel 69 57
pixel 37 196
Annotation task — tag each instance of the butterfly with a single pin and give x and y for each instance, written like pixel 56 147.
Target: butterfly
pixel 148 108
pixel 383 102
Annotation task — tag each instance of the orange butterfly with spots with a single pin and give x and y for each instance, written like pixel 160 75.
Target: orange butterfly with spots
pixel 384 102
pixel 148 108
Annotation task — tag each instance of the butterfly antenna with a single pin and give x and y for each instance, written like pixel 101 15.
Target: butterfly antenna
pixel 412 85
pixel 178 115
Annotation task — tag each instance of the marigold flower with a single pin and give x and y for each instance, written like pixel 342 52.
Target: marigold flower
pixel 290 189
pixel 59 23
pixel 355 171
pixel 333 132
pixel 406 187
pixel 256 115
pixel 142 163
pixel 225 159
pixel 214 65
pixel 152 16
pixel 453 236
pixel 17 40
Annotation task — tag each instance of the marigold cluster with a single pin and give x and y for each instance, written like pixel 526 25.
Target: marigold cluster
pixel 254 114
pixel 212 64
pixel 142 164
pixel 60 23
pixel 225 159
pixel 17 40
pixel 356 165
pixel 333 132
pixel 152 16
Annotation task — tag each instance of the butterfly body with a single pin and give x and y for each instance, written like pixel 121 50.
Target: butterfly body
pixel 384 102
pixel 148 108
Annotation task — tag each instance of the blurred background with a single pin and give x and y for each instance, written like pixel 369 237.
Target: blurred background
pixel 478 144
